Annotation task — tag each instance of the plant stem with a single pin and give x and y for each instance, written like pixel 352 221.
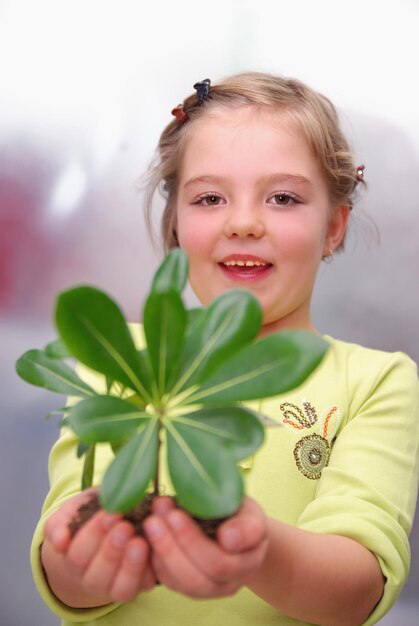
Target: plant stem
pixel 156 490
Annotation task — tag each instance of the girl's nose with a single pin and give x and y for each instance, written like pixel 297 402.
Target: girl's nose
pixel 244 223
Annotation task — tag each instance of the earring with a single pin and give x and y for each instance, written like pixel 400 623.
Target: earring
pixel 328 258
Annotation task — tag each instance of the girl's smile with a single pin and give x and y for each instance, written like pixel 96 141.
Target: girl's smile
pixel 253 211
pixel 242 267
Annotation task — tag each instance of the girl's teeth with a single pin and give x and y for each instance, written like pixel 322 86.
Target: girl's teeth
pixel 245 263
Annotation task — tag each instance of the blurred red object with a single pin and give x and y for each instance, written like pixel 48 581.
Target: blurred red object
pixel 26 251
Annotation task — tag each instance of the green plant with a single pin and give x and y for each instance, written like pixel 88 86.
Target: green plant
pixel 185 387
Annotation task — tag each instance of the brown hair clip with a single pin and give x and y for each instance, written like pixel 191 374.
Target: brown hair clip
pixel 180 114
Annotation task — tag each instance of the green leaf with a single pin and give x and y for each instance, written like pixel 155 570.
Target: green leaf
pixel 268 367
pixel 57 350
pixel 116 389
pixel 172 273
pixel 94 330
pixel 105 418
pixel 62 411
pixel 231 321
pixel 235 427
pixel 127 478
pixel 204 474
pixel 88 467
pixel 82 448
pixel 194 316
pixel 164 327
pixel 117 445
pixel 136 399
pixel 51 373
pixel 109 382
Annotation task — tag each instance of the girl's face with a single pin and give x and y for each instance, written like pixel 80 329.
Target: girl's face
pixel 253 211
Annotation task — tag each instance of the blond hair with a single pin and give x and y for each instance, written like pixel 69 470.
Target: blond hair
pixel 313 113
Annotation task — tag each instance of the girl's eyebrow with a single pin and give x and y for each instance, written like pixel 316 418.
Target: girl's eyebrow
pixel 285 178
pixel 204 179
pixel 276 178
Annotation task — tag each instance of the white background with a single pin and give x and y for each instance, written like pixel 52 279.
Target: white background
pixel 85 90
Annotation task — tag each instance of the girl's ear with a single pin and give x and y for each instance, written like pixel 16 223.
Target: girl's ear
pixel 336 229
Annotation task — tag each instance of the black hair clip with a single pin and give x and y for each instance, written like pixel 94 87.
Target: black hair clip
pixel 202 89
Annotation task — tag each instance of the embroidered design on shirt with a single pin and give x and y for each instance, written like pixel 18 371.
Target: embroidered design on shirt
pixel 296 418
pixel 312 451
pixel 312 454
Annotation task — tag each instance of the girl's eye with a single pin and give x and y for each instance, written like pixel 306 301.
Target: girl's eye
pixel 283 199
pixel 209 199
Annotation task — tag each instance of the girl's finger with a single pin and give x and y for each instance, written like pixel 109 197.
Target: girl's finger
pixel 68 509
pixel 162 505
pixel 171 565
pixel 134 574
pixel 102 569
pixel 246 530
pixel 88 540
pixel 208 557
pixel 57 525
pixel 58 535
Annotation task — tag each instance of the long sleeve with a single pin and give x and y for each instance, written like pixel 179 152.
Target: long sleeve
pixel 368 490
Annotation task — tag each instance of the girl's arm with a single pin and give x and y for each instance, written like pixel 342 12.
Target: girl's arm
pixel 103 563
pixel 321 579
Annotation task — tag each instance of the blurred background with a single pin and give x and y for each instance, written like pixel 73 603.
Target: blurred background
pixel 86 88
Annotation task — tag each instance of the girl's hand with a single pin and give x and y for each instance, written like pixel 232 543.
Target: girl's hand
pixel 190 563
pixel 103 562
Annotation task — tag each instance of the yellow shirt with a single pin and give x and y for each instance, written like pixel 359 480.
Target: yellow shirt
pixel 343 459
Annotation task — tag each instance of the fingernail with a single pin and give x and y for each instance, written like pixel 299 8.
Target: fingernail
pixel 57 536
pixel 135 554
pixel 176 520
pixel 120 537
pixel 109 520
pixel 162 506
pixel 231 539
pixel 154 528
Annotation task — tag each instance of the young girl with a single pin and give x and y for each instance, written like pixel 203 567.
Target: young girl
pixel 259 184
